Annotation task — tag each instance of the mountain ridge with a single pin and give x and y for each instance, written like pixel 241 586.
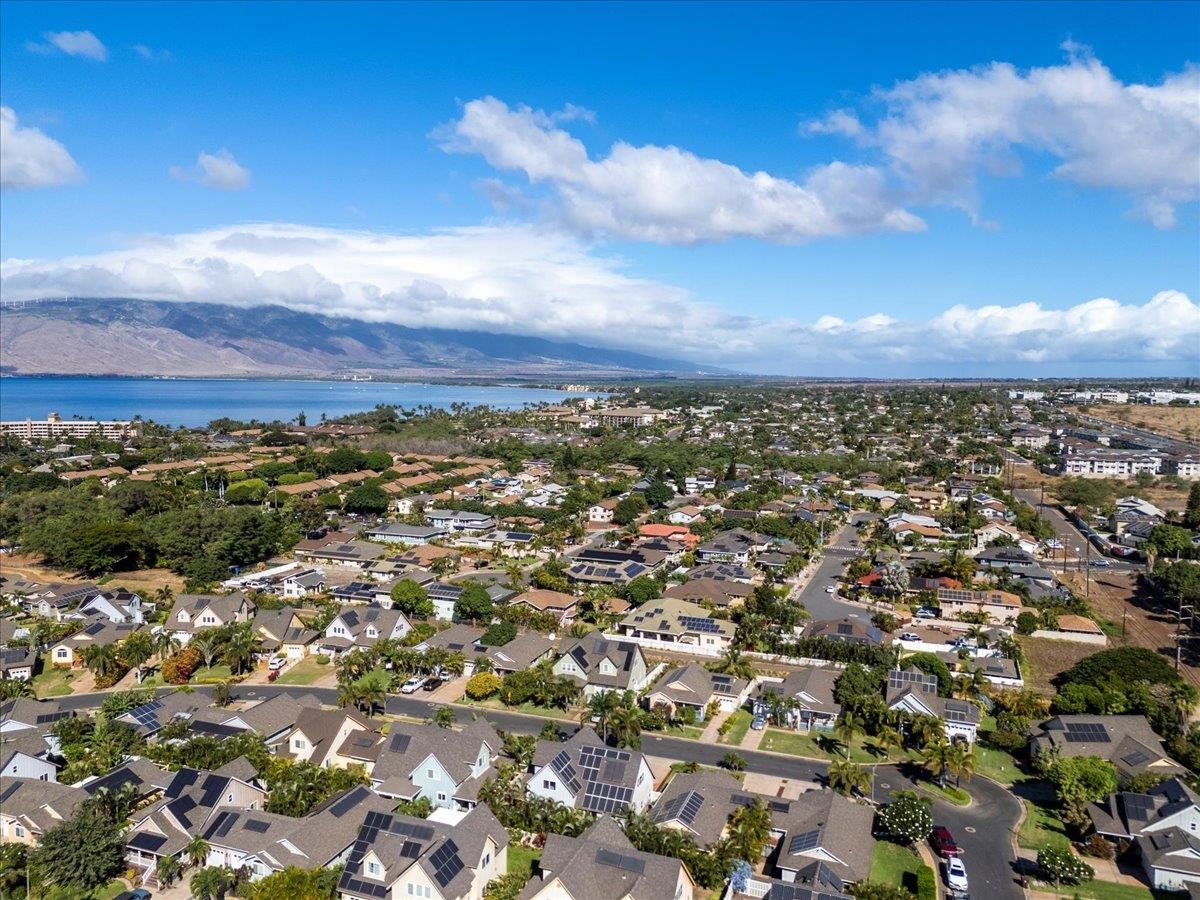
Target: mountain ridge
pixel 147 337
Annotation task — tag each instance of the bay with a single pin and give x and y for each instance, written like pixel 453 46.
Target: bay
pixel 196 402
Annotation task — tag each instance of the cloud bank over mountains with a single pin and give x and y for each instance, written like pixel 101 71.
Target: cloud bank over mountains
pixel 529 280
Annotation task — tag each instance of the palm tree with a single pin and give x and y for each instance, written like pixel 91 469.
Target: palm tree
pixel 888 739
pixel 938 757
pixel 241 648
pixel 926 730
pixel 749 830
pixel 102 660
pixel 165 643
pixel 196 851
pixel 136 650
pixel 845 777
pixel 600 708
pixel 207 644
pixel 962 761
pixel 349 694
pixel 847 727
pixel 734 664
pixel 210 883
pixel 625 723
pixel 167 869
pixel 13 688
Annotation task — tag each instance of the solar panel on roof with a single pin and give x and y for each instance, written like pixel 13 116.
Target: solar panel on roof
pixel 417 832
pixel 805 841
pixel 46 718
pixel 346 804
pixel 146 841
pixel 257 825
pixel 1087 733
pixel 1138 806
pixel 376 820
pixel 222 824
pixel 692 807
pixel 561 765
pixel 446 863
pixel 410 850
pixel 1136 758
pixel 620 861
pixel 699 623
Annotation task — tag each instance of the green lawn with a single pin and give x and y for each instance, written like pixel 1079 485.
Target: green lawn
pixel 205 675
pixel 1100 890
pixel 1042 828
pixel 52 682
pixel 997 765
pixel 684 731
pixel 895 865
pixel 306 671
pixel 815 745
pixel 739 724
pixel 521 859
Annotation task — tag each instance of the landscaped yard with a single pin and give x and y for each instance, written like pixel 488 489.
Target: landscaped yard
pixel 51 682
pixel 1042 828
pixel 895 865
pixel 997 765
pixel 205 675
pixel 306 671
pixel 739 724
pixel 684 731
pixel 1100 890
pixel 522 858
pixel 811 744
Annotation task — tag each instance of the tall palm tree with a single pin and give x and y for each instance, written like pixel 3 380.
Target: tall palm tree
pixel 13 688
pixel 196 851
pixel 846 777
pixel 938 757
pixel 749 831
pixel 240 649
pixel 600 708
pixel 210 883
pixel 207 644
pixel 348 694
pixel 888 739
pixel 734 664
pixel 102 660
pixel 926 730
pixel 848 726
pixel 962 761
pixel 136 650
pixel 625 722
pixel 165 643
pixel 167 869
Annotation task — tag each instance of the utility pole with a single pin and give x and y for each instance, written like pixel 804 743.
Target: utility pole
pixel 1087 573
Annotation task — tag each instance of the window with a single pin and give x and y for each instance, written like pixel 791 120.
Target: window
pixel 61 653
pixel 374 869
pixel 487 858
pixel 19 831
pixel 419 890
pixel 429 773
pixel 549 785
pixel 299 744
pixel 442 796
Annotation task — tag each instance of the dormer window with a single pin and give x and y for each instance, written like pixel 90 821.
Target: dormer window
pixel 374 869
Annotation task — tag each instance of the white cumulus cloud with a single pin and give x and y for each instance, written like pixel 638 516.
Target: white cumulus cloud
pixel 215 170
pixel 527 280
pixel 940 131
pixel 72 43
pixel 668 194
pixel 30 159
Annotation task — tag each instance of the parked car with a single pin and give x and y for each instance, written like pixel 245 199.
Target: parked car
pixel 956 874
pixel 277 663
pixel 1054 544
pixel 910 636
pixel 1101 563
pixel 926 612
pixel 432 684
pixel 273 675
pixel 135 894
pixel 759 723
pixel 831 589
pixel 943 842
pixel 412 685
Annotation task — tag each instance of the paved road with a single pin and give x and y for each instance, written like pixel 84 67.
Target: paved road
pixel 1072 538
pixel 827 606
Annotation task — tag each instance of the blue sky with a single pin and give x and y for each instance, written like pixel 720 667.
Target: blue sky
pixel 478 140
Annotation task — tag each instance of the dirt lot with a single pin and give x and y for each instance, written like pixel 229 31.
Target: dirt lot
pixel 1174 421
pixel 1045 659
pixel 144 581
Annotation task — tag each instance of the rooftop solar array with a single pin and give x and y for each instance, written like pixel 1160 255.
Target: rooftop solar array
pixel 804 841
pixel 901 678
pixel 1136 758
pixel 603 797
pixel 1138 806
pixel 562 767
pixel 346 804
pixel 257 825
pixel 1087 733
pixel 446 863
pixel 146 715
pixel 147 841
pixel 46 718
pixel 682 808
pixel 222 824
pixel 620 861
pixel 699 623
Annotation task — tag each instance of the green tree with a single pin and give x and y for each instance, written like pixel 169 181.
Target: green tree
pixel 625 725
pixel 629 508
pixel 749 831
pixel 211 882
pixel 412 599
pixel 368 498
pixel 136 650
pixel 846 777
pixel 80 854
pixel 1191 515
pixel 658 493
pixel 102 660
pixel 473 604
pixel 642 589
pixel 1169 541
pixel 938 758
pixel 1060 866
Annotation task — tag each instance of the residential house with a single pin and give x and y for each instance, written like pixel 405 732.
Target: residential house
pixel 601 864
pixel 599 664
pixel 26 754
pixel 59 599
pixel 446 766
pixel 912 691
pixel 1002 531
pixel 564 606
pixel 733 546
pixel 398 856
pixel 849 630
pixel 263 842
pixel 302 583
pixel 602 513
pixel 696 688
pixel 99 632
pixel 823 832
pixel 809 693
pixel 119 606
pixel 195 612
pixel 29 807
pixel 16 663
pixel 445 594
pixel 680 622
pixel 685 515
pixel 455 521
pixel 320 737
pixel 283 633
pixel 361 628
pixel 719 592
pixel 999 606
pixel 585 773
pixel 1128 742
pixel 1162 823
pixel 699 804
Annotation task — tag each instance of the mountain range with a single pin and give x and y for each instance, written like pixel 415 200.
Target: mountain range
pixel 141 337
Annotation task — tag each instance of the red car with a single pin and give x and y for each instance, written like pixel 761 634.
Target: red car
pixel 943 842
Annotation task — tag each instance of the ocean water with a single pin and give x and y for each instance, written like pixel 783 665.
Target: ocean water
pixel 195 402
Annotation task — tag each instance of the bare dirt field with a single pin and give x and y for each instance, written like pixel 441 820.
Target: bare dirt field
pixel 1181 422
pixel 1045 659
pixel 144 581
